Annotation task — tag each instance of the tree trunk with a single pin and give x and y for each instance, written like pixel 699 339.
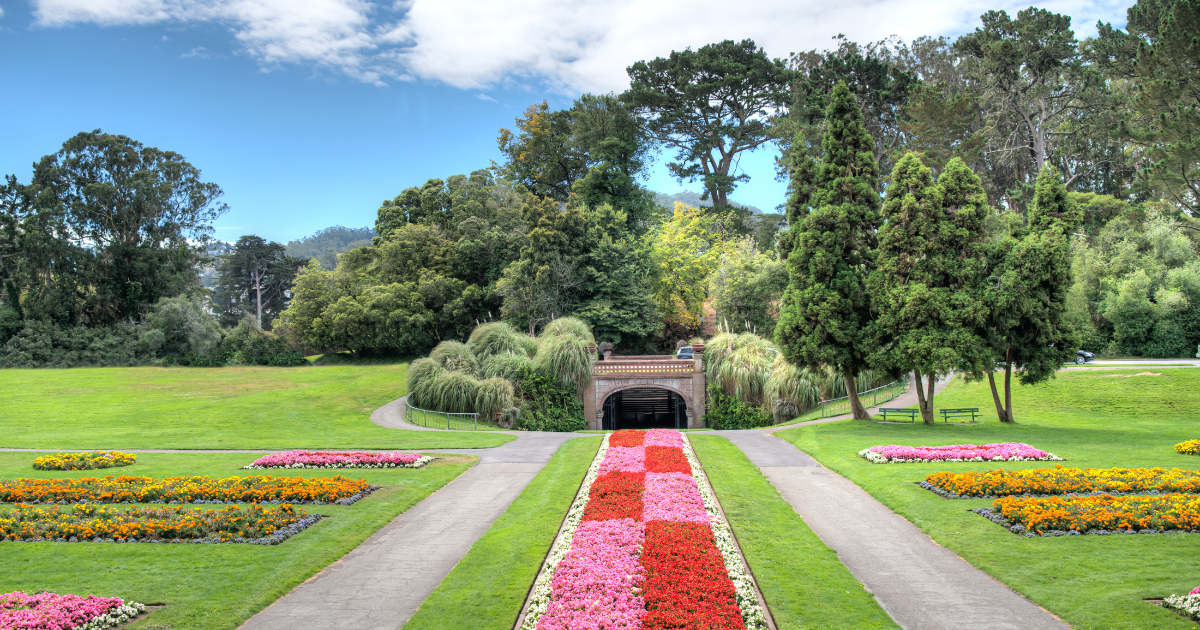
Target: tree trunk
pixel 996 397
pixel 1008 386
pixel 929 397
pixel 258 296
pixel 922 404
pixel 856 408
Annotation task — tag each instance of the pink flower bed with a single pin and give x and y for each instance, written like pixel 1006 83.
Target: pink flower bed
pixel 50 611
pixel 672 497
pixel 624 459
pixel 337 459
pixel 998 452
pixel 664 437
pixel 596 585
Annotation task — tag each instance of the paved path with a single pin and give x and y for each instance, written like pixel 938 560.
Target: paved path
pixel 381 583
pixel 921 584
pixel 907 399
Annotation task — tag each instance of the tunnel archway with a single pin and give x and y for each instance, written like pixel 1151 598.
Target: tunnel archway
pixel 645 408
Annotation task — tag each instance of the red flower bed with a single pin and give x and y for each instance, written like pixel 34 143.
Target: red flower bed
pixel 666 459
pixel 627 438
pixel 616 495
pixel 686 583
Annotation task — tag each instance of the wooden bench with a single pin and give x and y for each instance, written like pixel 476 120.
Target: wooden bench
pixel 958 413
pixel 911 414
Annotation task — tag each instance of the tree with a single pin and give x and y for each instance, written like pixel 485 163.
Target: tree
pixel 546 281
pixel 928 268
pixel 1026 296
pixel 684 251
pixel 826 312
pixel 619 307
pixel 711 105
pixel 255 278
pixel 746 286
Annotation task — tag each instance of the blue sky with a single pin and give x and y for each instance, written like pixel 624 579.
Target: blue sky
pixel 308 113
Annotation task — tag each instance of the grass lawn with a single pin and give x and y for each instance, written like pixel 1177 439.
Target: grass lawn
pixel 488 587
pixel 211 408
pixel 1097 419
pixel 804 583
pixel 211 587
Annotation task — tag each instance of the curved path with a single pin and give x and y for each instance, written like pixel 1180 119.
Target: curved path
pixel 381 583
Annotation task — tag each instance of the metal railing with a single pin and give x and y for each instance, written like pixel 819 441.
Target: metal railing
pixel 441 419
pixel 877 396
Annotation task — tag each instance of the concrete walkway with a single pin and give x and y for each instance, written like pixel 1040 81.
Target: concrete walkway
pixel 381 583
pixel 922 585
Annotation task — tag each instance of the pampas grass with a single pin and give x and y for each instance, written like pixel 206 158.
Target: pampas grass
pixel 791 390
pixel 496 338
pixel 493 396
pixel 421 375
pixel 505 366
pixel 528 344
pixel 566 358
pixel 455 356
pixel 453 392
pixel 569 326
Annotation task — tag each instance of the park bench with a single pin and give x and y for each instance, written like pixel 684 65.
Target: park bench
pixel 958 413
pixel 911 414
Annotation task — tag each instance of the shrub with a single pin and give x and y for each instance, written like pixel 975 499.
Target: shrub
pixel 791 390
pixel 566 357
pixel 179 327
pixel 568 326
pixel 493 396
pixel 548 405
pixel 727 412
pixel 42 344
pixel 496 338
pixel 455 356
pixel 247 345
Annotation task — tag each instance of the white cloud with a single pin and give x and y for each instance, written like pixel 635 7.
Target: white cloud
pixel 484 97
pixel 199 52
pixel 1 11
pixel 571 45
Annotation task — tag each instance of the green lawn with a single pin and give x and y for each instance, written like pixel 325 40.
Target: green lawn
pixel 804 583
pixel 488 587
pixel 218 408
pixel 1093 419
pixel 210 587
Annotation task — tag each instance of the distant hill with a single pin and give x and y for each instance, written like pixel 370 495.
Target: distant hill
pixel 693 199
pixel 326 244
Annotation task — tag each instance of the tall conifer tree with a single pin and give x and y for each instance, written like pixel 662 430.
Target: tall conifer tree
pixel 826 312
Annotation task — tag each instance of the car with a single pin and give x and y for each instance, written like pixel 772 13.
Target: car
pixel 1083 356
pixel 684 353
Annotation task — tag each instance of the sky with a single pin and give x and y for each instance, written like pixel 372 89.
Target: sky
pixel 309 113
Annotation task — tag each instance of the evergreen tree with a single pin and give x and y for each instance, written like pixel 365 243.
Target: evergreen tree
pixel 927 265
pixel 1026 295
pixel 826 313
pixel 616 270
pixel 254 279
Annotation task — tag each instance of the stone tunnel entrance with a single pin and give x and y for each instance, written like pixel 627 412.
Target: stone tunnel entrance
pixel 645 408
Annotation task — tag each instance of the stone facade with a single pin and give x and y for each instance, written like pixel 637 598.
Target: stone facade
pixel 688 384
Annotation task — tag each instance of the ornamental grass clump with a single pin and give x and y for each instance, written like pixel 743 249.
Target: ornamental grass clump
pixel 453 392
pixel 51 611
pixel 455 356
pixel 505 366
pixel 84 461
pixel 1060 480
pixel 1187 604
pixel 566 359
pixel 1190 447
pixel 496 338
pixel 92 522
pixel 791 390
pixel 570 327
pixel 492 397
pixel 421 376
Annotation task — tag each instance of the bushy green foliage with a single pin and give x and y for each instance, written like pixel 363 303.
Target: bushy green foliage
pixel 495 338
pixel 548 405
pixel 43 344
pixel 746 286
pixel 506 366
pixel 247 345
pixel 728 412
pixel 455 356
pixel 453 392
pixel 180 326
pixel 493 396
pixel 566 358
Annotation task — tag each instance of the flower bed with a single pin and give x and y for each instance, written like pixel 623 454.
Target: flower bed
pixel 50 611
pixel 1190 447
pixel 1060 480
pixel 84 461
pixel 252 489
pixel 998 452
pixel 1099 514
pixel 644 545
pixel 339 459
pixel 90 522
pixel 1187 604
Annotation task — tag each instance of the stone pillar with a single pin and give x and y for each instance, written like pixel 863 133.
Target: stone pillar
pixel 589 404
pixel 696 411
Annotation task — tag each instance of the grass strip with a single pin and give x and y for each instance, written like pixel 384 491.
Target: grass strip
pixel 212 408
pixel 487 588
pixel 1094 420
pixel 213 587
pixel 804 583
